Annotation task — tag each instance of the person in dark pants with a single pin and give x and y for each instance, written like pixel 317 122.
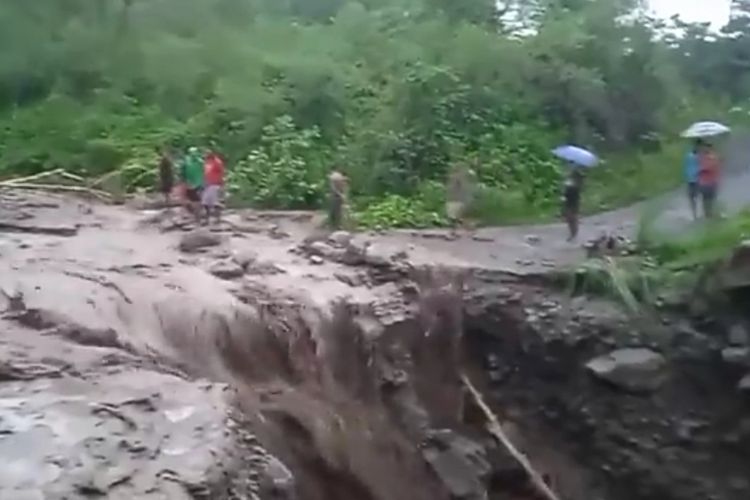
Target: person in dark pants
pixel 166 174
pixel 571 201
pixel 192 175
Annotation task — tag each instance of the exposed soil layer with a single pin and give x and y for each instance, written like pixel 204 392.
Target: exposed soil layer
pixel 146 358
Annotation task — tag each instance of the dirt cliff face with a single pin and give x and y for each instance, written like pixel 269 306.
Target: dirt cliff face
pixel 144 358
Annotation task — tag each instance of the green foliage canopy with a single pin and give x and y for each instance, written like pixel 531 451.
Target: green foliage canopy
pixel 392 91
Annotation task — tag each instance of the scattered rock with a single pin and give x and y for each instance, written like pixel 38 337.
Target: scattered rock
pixel 736 356
pixel 341 238
pixel 533 239
pixel 277 233
pixel 637 369
pixel 197 240
pixel 316 260
pixel 460 464
pixel 353 280
pixel 736 273
pixel 739 336
pixel 244 258
pixel 744 385
pixel 400 256
pixel 277 482
pixel 263 269
pixel 482 239
pixel 437 235
pixel 739 484
pixel 227 269
pixel 321 248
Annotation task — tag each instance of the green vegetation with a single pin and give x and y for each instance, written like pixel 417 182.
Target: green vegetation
pixel 702 245
pixel 392 91
pixel 663 265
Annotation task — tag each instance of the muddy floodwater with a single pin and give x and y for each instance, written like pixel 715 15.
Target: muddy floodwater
pixel 143 357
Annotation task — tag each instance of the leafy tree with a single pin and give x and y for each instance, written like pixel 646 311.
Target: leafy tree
pixel 394 91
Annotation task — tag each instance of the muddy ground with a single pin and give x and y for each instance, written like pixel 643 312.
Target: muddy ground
pixel 146 358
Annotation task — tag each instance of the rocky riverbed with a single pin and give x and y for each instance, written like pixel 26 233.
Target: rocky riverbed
pixel 145 358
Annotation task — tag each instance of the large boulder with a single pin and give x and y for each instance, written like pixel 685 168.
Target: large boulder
pixel 636 370
pixel 341 238
pixel 227 269
pixel 198 240
pixel 736 271
pixel 460 463
pixel 736 356
pixel 744 385
pixel 739 336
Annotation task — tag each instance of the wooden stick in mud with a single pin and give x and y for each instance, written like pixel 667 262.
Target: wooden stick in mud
pixel 52 173
pixel 58 187
pixel 494 428
pixel 32 178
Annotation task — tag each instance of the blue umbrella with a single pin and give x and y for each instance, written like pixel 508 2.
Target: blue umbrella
pixel 576 155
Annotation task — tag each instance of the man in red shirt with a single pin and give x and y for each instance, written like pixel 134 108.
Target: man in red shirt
pixel 708 177
pixel 213 186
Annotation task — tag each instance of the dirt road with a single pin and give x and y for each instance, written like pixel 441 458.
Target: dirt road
pixel 539 248
pixel 106 309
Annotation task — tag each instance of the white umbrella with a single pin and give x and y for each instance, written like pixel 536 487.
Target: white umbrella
pixel 705 129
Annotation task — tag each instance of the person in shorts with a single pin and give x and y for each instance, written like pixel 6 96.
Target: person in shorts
pixel 213 186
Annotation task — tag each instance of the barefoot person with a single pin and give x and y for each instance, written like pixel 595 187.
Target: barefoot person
pixel 692 169
pixel 214 184
pixel 166 174
pixel 571 201
pixel 708 178
pixel 339 187
pixel 192 175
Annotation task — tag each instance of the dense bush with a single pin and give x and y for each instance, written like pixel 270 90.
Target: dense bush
pixel 394 92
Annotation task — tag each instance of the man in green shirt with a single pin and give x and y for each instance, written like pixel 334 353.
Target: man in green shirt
pixel 191 173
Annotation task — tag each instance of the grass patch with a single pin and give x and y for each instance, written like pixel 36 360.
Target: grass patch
pixel 701 244
pixel 625 179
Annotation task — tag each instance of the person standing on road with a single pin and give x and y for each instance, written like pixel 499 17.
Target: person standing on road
pixel 708 178
pixel 339 186
pixel 460 192
pixel 692 171
pixel 571 201
pixel 214 183
pixel 192 174
pixel 166 174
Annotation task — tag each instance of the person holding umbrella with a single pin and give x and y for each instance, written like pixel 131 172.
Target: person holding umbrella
pixel 691 170
pixel 571 201
pixel 578 159
pixel 708 163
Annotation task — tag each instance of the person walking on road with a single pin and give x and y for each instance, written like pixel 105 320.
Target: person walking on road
pixel 709 174
pixel 214 183
pixel 571 201
pixel 692 171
